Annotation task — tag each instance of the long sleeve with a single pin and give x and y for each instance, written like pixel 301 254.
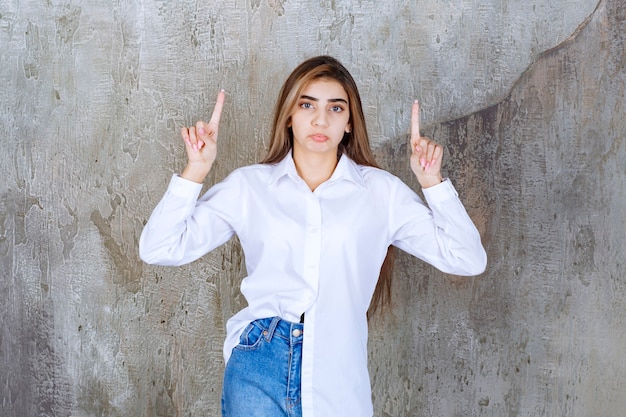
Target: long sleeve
pixel 182 228
pixel 441 234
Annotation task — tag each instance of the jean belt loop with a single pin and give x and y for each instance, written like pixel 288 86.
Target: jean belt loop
pixel 272 328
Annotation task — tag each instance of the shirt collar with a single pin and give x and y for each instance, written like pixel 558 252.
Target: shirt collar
pixel 346 169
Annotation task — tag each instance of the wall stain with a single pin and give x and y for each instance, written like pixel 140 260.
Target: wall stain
pixel 67 24
pixel 69 232
pixel 31 61
pixel 583 247
pixel 128 267
pixel 278 6
pixel 96 398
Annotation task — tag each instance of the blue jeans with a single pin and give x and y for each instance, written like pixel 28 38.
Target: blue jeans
pixel 262 377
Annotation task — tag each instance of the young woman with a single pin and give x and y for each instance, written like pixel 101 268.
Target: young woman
pixel 315 220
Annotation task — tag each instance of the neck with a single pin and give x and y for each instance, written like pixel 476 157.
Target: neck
pixel 315 169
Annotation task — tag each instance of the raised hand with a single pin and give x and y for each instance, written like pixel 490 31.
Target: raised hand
pixel 426 155
pixel 201 143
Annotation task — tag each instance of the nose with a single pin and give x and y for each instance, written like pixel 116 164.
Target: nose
pixel 320 119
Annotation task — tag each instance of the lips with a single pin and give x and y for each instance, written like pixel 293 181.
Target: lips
pixel 319 138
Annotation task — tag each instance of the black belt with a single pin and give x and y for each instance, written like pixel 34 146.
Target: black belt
pixel 302 318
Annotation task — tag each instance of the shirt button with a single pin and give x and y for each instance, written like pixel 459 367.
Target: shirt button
pixel 296 333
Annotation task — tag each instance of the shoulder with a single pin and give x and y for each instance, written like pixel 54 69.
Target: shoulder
pixel 385 185
pixel 250 173
pixel 240 183
pixel 377 177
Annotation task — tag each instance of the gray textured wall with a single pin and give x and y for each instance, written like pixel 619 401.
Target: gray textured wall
pixel 527 97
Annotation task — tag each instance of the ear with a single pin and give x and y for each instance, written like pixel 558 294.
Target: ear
pixel 348 128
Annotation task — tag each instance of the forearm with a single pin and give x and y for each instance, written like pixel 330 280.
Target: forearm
pixel 458 237
pixel 183 228
pixel 162 240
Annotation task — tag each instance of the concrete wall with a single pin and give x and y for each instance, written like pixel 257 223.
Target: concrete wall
pixel 527 97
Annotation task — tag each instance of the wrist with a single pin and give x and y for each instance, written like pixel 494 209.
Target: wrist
pixel 427 182
pixel 196 172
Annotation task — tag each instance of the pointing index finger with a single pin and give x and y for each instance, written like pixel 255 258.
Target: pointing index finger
pixel 217 110
pixel 415 121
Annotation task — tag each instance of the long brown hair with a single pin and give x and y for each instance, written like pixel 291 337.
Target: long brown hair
pixel 354 144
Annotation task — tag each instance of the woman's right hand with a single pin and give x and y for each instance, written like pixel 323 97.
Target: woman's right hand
pixel 426 155
pixel 201 144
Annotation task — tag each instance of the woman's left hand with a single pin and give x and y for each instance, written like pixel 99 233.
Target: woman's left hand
pixel 426 155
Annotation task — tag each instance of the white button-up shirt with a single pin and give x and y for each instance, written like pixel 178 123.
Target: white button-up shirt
pixel 315 252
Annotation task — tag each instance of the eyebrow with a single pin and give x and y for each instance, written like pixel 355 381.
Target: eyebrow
pixel 332 100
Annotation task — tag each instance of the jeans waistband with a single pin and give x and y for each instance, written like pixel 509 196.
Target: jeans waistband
pixel 276 326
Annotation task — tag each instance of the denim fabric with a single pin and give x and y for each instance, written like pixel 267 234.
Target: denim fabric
pixel 262 377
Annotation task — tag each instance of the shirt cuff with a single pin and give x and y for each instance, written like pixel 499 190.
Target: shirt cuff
pixel 441 192
pixel 182 187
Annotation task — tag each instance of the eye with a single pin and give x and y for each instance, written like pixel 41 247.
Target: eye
pixel 336 109
pixel 306 105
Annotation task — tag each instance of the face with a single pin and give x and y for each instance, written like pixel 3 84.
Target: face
pixel 320 118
